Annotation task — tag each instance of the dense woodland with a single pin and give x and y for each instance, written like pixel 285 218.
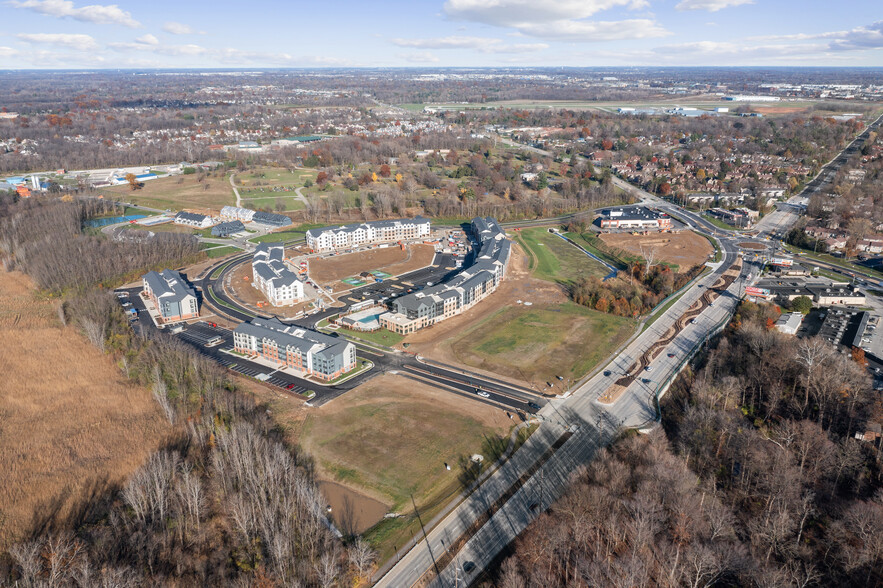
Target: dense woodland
pixel 755 479
pixel 224 502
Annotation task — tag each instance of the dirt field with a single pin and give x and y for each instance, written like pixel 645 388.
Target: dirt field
pixel 749 245
pixel 328 271
pixel 70 423
pixel 166 192
pixel 685 249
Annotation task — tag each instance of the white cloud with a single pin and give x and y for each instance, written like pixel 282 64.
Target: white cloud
pixel 147 39
pixel 174 50
pixel 515 12
pixel 8 52
pixel 710 5
pixel 179 28
pixel 481 44
pixel 557 19
pixel 97 13
pixel 74 41
pixel 419 57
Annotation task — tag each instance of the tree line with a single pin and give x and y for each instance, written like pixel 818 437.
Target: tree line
pixel 226 501
pixel 755 478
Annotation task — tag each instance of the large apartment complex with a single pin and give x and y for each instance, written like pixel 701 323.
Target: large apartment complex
pixel 316 354
pixel 174 299
pixel 469 286
pixel 383 231
pixel 271 276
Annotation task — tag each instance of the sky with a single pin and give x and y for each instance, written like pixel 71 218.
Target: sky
pixel 71 34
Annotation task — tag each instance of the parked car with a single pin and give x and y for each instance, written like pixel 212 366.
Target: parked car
pixel 534 405
pixel 607 373
pixel 482 393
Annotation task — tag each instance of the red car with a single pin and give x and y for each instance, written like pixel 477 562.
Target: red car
pixel 289 387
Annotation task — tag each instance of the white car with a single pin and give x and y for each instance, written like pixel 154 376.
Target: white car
pixel 482 393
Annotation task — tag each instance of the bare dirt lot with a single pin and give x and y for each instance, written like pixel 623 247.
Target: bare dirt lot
pixel 328 271
pixel 685 249
pixel 71 423
pixel 241 288
pixel 750 245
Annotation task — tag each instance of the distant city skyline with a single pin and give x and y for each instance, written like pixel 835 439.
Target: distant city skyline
pixel 61 34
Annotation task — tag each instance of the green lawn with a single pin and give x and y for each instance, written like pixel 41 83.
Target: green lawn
pixel 286 235
pixel 382 337
pixel 391 436
pixel 593 244
pixel 221 251
pixel 539 343
pixel 555 259
pixel 287 199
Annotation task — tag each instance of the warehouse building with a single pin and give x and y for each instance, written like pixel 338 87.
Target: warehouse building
pixel 173 298
pixel 191 219
pixel 383 231
pixel 789 323
pixel 271 276
pixel 468 287
pixel 315 354
pixel 227 229
pixel 634 217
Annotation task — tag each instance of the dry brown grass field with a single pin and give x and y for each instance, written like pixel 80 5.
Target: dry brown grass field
pixel 392 260
pixel 71 425
pixel 167 192
pixel 685 249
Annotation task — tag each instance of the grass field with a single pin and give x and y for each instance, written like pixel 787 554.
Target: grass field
pixel 382 337
pixel 540 342
pixel 390 439
pixel 71 424
pixel 288 201
pixel 291 234
pixel 555 259
pixel 168 193
pixel 216 252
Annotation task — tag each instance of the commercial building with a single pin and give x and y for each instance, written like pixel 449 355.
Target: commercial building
pixel 383 231
pixel 174 299
pixel 634 217
pixel 271 219
pixel 789 323
pixel 227 229
pixel 235 213
pixel 821 291
pixel 191 219
pixel 316 354
pixel 468 287
pixel 271 276
pixel 737 218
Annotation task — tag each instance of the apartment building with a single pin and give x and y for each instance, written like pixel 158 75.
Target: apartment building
pixel 235 213
pixel 271 276
pixel 191 219
pixel 468 287
pixel 315 354
pixel 383 231
pixel 173 298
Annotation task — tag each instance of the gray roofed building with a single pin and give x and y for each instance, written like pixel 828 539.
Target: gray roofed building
pixel 271 276
pixel 314 353
pixel 192 219
pixel 420 309
pixel 344 236
pixel 173 298
pixel 271 219
pixel 227 229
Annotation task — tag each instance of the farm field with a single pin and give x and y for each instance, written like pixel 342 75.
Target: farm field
pixel 69 432
pixel 389 439
pixel 392 260
pixel 555 259
pixel 684 249
pixel 178 193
